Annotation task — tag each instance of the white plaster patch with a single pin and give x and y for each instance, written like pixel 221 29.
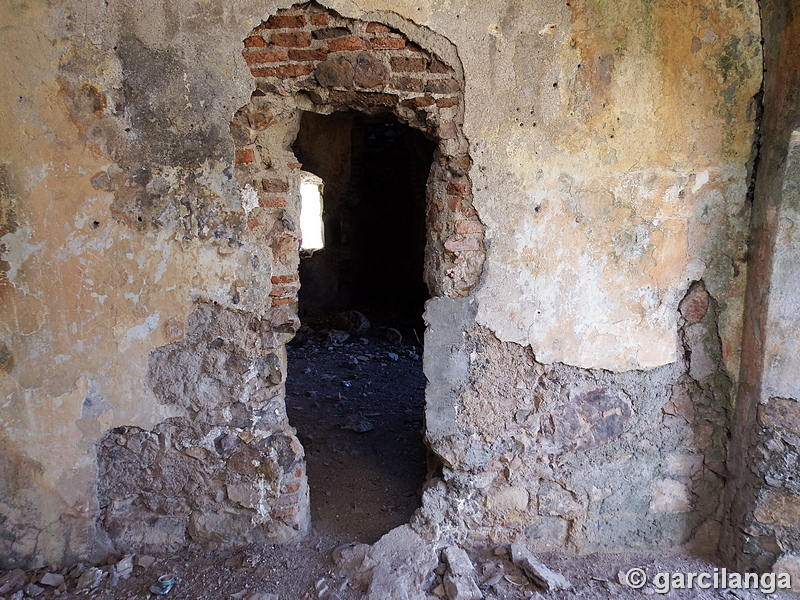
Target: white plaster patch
pixel 141 331
pixel 18 250
pixel 670 496
pixel 162 265
pixel 36 175
pixel 249 198
pixel 699 181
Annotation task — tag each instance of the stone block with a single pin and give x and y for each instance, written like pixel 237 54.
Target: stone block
pixel 335 72
pixel 459 580
pixel 369 71
pixel 694 305
pixel 555 501
pixel 670 496
pixel 509 499
pixel 789 563
pixel 779 509
pixel 780 413
pixel 538 573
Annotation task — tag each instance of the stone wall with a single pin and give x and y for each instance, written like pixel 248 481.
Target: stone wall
pixel 563 457
pixel 586 251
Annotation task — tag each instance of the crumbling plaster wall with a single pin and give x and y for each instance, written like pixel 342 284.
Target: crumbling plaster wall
pixel 611 145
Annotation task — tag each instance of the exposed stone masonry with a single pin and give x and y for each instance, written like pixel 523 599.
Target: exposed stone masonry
pixel 590 460
pixel 231 471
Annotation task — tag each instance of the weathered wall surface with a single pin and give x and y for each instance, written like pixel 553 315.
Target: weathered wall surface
pixel 765 497
pixel 562 457
pixel 631 148
pixel 610 151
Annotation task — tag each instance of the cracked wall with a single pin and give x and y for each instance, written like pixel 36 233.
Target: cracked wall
pixel 593 172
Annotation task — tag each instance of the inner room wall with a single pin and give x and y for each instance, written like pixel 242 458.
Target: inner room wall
pixel 586 255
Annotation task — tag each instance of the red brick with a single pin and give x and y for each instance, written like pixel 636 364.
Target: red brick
pixel 297 39
pixel 465 245
pixel 285 512
pixel 244 156
pixel 294 165
pixel 285 22
pixel 285 278
pixel 438 66
pixel 253 223
pixel 308 55
pixel 377 28
pixel 275 186
pixel 469 226
pixel 298 472
pixel 260 57
pixel 388 43
pixel 331 32
pixel 320 20
pixel 442 86
pixel 291 488
pixel 347 43
pixel 419 102
pixel 283 71
pixel 282 301
pixel 408 64
pixel 446 102
pixel 272 202
pixel 408 84
pixel 255 41
pixel 454 203
pixel 455 188
pixel 284 290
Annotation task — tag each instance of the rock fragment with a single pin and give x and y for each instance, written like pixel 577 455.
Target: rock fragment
pixel 51 579
pixel 90 579
pixel 32 590
pixel 145 561
pixel 538 573
pixel 13 580
pixel 124 567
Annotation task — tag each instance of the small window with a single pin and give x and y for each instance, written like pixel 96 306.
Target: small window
pixel 311 226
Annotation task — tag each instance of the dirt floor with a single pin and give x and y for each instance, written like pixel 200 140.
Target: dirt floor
pixel 358 407
pixel 357 403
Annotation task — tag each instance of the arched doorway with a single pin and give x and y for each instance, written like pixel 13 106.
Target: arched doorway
pixel 367 84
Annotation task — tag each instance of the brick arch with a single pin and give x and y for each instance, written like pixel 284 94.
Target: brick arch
pixel 308 58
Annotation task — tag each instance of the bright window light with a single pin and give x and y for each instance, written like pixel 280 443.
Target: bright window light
pixel 311 212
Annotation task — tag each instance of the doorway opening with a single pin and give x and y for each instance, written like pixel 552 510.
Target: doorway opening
pixel 355 388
